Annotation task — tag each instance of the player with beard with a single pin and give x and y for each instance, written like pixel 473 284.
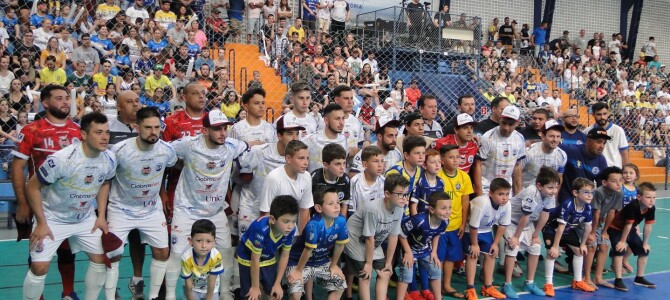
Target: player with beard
pixel 333 118
pixel 464 128
pixel 387 132
pixel 545 153
pixel 616 151
pixel 134 201
pixel 37 140
pixel 201 194
pixel 572 135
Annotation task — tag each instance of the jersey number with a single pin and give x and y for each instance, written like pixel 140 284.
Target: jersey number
pixel 48 143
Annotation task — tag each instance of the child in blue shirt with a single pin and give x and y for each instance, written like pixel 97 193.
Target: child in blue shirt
pixel 414 154
pixel 325 232
pixel 258 248
pixel 11 22
pixel 419 238
pixel 429 182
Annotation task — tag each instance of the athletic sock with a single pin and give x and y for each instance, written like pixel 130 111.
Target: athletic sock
pixel 111 280
pixel 577 263
pixel 33 286
pixel 549 270
pixel 95 280
pixel 157 273
pixel 172 276
pixel 66 269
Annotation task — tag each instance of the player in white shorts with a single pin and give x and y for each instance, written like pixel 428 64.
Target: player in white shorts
pixel 134 200
pixel 545 153
pixel 261 160
pixel 61 196
pixel 331 134
pixel 201 194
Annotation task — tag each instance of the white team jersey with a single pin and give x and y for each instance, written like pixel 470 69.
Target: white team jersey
pixel 262 159
pixel 353 131
pixel 362 193
pixel 72 182
pixel 278 183
pixel 138 178
pixel 311 124
pixel 316 142
pixel 390 159
pixel 263 132
pixel 613 147
pixel 500 155
pixel 530 202
pixel 536 158
pixel 483 216
pixel 203 183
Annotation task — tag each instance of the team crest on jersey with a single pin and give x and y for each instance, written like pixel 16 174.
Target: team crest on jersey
pixel 471 159
pixel 595 170
pixel 20 137
pixel 146 170
pixel 340 195
pixel 174 239
pixel 88 179
pixel 347 134
pixel 208 186
pixel 145 193
pixel 63 141
pixel 159 167
pixel 506 151
pixel 101 178
pixel 51 163
pixel 211 165
pixel 39 248
pixel 579 164
pixel 458 186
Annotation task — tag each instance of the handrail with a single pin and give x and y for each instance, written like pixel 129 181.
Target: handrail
pixel 231 56
pixel 272 109
pixel 243 79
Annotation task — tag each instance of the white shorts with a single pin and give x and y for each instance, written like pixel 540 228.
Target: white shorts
pixel 321 274
pixel 78 234
pixel 153 228
pixel 324 25
pixel 244 219
pixel 525 240
pixel 181 231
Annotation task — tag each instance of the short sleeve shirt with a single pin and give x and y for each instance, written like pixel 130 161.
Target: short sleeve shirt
pixel 191 268
pixel 321 238
pixel 419 233
pixel 259 239
pixel 499 155
pixel 41 138
pixel 456 186
pixel 530 202
pixel 373 220
pixel 483 214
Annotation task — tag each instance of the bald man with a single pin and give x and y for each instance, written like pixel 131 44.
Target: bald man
pixel 572 135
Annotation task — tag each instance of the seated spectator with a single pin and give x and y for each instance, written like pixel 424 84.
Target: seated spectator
pixel 51 74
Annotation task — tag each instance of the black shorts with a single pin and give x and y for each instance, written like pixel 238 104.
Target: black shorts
pixel 634 243
pixel 354 267
pixel 568 239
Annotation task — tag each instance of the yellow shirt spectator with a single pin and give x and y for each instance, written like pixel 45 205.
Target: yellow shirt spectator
pixel 300 31
pixel 106 11
pixel 101 80
pixel 165 19
pixel 230 110
pixel 456 186
pixel 152 83
pixel 56 76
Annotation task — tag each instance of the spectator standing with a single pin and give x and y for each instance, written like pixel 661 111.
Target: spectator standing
pixel 539 38
pixel 649 49
pixel 465 105
pixel 309 14
pixel 412 92
pixel 506 34
pixel 584 160
pixel 497 106
pixel 254 18
pixel 414 20
pixel 616 151
pixel 339 14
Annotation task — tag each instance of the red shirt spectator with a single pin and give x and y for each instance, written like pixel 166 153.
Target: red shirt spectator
pixel 466 154
pixel 413 93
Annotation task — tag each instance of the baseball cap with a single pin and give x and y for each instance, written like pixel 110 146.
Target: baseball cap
pixel 383 122
pixel 511 112
pixel 215 118
pixel 158 67
pixel 389 100
pixel 598 133
pixel 552 124
pixel 464 119
pixel 284 124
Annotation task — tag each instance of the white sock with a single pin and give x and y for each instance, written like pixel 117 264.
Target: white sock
pixel 111 281
pixel 577 263
pixel 157 273
pixel 95 280
pixel 172 276
pixel 530 281
pixel 33 286
pixel 137 280
pixel 549 270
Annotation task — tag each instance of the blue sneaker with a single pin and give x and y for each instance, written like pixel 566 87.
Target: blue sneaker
pixel 71 296
pixel 533 289
pixel 509 291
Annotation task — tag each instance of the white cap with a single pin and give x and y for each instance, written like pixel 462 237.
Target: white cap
pixel 464 119
pixel 553 123
pixel 389 100
pixel 215 118
pixel 511 112
pixel 386 121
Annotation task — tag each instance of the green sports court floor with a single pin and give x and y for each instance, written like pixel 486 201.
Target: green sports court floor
pixel 13 268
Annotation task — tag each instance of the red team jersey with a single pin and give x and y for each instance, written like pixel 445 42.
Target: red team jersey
pixel 466 154
pixel 42 138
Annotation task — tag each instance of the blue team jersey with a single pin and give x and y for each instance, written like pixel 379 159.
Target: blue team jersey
pixel 577 138
pixel 568 214
pixel 123 60
pixel 163 107
pixel 321 239
pixel 420 234
pixel 59 20
pixel 260 240
pixel 399 168
pixel 628 196
pixel 424 189
pixel 193 49
pixel 579 164
pixel 143 66
pixel 36 20
pixel 106 43
pixel 156 47
pixel 9 25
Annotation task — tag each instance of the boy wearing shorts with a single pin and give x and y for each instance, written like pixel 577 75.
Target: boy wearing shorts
pixel 201 264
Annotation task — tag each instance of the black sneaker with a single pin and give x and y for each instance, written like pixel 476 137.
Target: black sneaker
pixel 619 285
pixel 641 281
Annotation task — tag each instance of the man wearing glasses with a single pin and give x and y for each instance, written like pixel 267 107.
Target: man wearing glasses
pixel 572 135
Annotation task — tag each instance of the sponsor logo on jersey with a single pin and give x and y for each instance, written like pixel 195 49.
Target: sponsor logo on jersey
pixel 211 165
pixel 88 179
pixel 145 193
pixel 146 170
pixel 51 163
pixel 101 178
pixel 208 186
pixel 340 195
pixel 159 167
pixel 44 172
pixel 82 204
pixel 332 237
pixel 595 170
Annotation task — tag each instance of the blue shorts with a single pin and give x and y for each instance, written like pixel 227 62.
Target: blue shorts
pixel 406 275
pixel 450 247
pixel 268 275
pixel 484 239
